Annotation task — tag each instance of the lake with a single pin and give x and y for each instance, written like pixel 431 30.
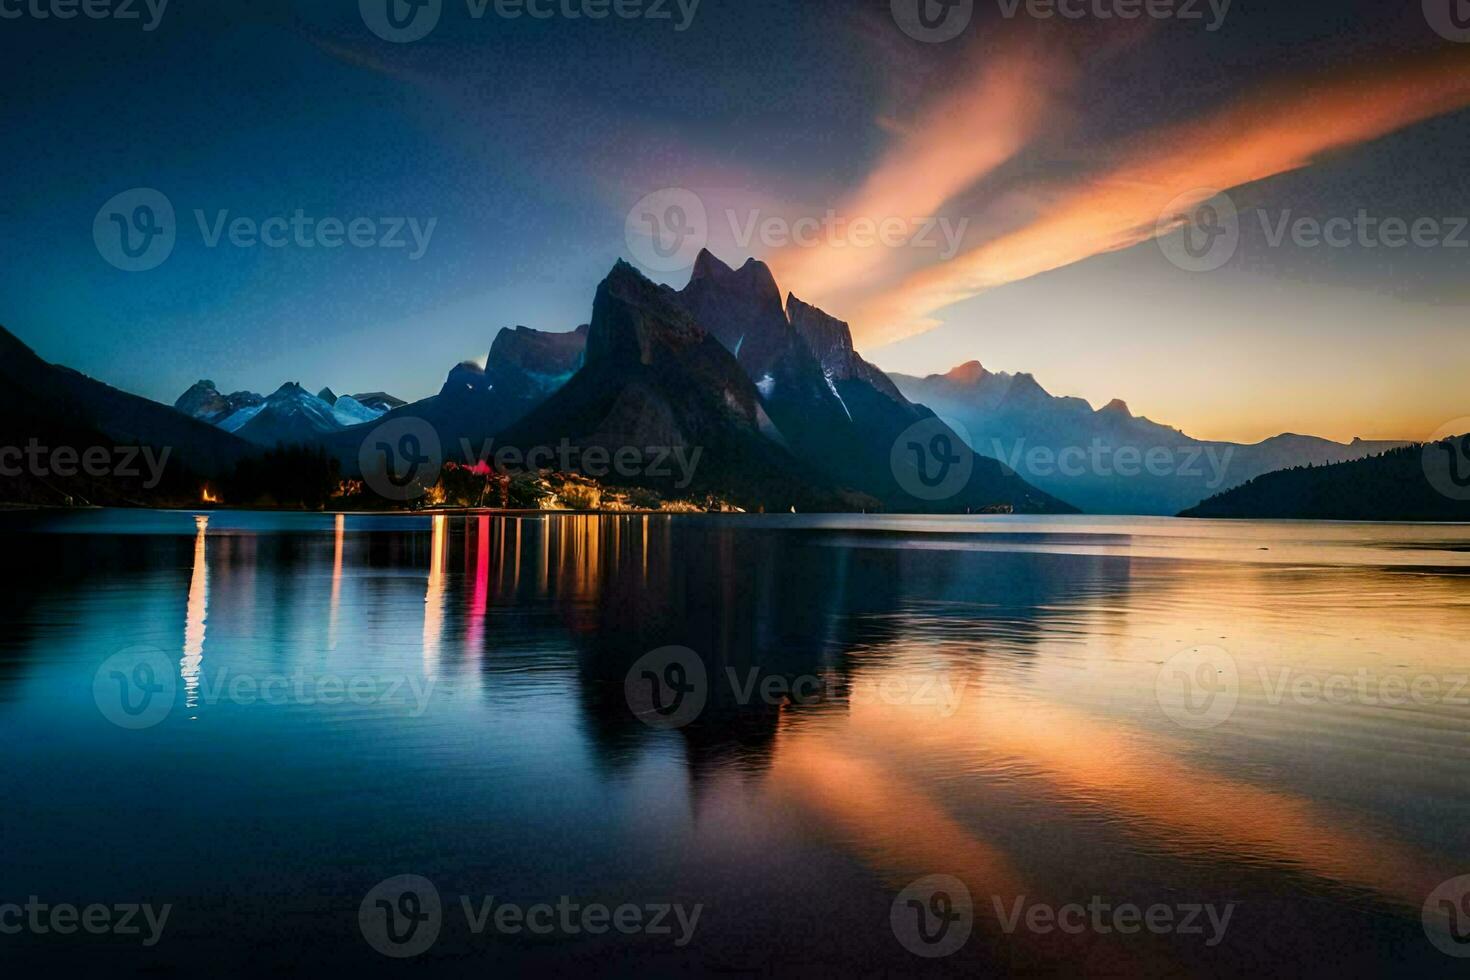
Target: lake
pixel 796 745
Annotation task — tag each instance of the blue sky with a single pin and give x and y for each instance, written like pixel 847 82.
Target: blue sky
pixel 527 141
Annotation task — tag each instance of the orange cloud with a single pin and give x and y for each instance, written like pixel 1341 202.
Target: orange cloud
pixel 1281 128
pixel 953 143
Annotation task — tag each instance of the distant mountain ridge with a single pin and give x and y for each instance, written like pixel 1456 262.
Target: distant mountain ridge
pixel 291 415
pixel 1107 466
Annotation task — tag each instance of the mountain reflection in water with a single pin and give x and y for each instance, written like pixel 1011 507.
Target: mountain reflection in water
pixel 971 697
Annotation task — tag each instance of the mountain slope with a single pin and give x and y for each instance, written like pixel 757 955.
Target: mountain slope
pixel 653 382
pixel 291 416
pixel 1389 487
pixel 654 376
pixel 476 404
pixel 838 414
pixel 742 309
pixel 203 401
pixel 60 407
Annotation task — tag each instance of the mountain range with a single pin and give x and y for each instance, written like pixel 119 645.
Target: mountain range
pixel 766 394
pixel 719 367
pixel 1107 460
pixel 290 415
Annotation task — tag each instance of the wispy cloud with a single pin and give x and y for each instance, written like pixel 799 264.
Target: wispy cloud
pixel 1278 128
pixel 953 143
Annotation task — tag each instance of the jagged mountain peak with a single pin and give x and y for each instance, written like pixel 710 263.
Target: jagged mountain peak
pixel 707 265
pixel 633 318
pixel 1116 407
pixel 754 279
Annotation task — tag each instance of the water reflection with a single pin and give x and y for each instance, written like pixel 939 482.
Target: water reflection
pixel 339 536
pixel 1053 773
pixel 198 610
pixel 434 596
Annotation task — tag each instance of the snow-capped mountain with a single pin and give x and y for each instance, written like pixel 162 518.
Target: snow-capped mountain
pixel 290 415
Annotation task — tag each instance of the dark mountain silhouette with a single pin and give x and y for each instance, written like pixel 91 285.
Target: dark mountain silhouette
pixel 817 436
pixel 46 395
pixel 475 404
pixel 1160 469
pixel 653 377
pixel 836 413
pixel 743 311
pixel 1393 486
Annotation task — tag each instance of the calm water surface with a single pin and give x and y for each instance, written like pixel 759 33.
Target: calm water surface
pixel 1267 718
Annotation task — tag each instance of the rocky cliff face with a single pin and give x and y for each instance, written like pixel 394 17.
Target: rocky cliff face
pixel 830 341
pixel 203 401
pixel 535 362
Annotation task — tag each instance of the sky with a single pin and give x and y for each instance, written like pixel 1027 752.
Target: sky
pixel 1034 180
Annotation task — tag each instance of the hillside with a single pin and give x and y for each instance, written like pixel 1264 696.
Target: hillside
pixel 1394 486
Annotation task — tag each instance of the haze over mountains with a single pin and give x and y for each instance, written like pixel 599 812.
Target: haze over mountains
pixel 1107 461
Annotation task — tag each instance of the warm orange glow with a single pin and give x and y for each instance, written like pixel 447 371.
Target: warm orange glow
pixel 338 534
pixel 434 594
pixel 1132 773
pixel 1279 129
pixel 207 496
pixel 195 614
pixel 955 142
